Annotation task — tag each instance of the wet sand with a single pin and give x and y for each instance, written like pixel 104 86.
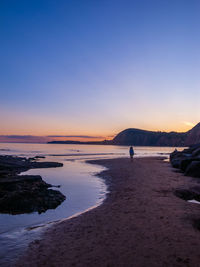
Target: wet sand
pixel 141 223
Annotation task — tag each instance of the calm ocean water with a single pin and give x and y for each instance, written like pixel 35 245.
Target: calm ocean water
pixel 82 189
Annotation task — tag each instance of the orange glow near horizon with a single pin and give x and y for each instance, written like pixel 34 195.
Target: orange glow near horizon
pixel 97 129
pixel 82 136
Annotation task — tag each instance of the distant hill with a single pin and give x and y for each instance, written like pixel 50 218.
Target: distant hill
pixel 138 137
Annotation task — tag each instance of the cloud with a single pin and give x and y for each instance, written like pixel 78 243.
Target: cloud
pixel 23 139
pixel 76 136
pixel 19 136
pixel 189 123
pixel 41 139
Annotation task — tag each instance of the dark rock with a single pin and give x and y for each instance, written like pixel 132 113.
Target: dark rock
pixel 26 197
pixel 184 194
pixel 188 194
pixel 177 157
pixel 11 164
pixel 25 193
pixel 193 169
pixel 20 178
pixel 196 152
pixel 45 165
pixel 196 224
pixel 188 160
pixel 176 163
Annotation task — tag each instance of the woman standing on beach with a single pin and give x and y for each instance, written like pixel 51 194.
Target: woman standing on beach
pixel 131 152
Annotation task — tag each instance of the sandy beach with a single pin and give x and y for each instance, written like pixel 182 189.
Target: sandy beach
pixel 141 222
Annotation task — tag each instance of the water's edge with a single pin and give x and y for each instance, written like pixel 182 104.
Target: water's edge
pixel 20 239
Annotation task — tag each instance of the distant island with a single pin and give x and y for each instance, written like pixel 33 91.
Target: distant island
pixel 138 137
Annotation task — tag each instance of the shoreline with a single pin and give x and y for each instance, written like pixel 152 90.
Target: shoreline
pixel 15 229
pixel 136 225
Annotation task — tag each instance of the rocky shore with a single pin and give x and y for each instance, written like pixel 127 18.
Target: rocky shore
pixel 26 193
pixel 188 162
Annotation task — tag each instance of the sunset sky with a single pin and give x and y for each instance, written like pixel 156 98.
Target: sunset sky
pixel 88 69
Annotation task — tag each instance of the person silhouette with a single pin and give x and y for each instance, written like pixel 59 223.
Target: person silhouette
pixel 131 152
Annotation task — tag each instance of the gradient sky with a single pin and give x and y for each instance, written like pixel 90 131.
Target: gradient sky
pixel 97 67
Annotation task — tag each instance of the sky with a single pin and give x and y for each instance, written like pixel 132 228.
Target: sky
pixel 88 69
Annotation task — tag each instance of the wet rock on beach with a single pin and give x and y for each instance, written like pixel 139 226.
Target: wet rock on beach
pixel 26 193
pixel 188 162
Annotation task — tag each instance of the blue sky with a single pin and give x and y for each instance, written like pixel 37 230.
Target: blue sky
pixel 97 67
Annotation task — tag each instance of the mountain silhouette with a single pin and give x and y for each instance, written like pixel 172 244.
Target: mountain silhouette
pixel 138 137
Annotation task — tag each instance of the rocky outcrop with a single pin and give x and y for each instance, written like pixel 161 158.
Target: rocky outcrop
pixel 189 194
pixel 193 168
pixel 11 164
pixel 188 160
pixel 25 193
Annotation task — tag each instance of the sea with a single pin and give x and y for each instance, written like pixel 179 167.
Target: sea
pixel 78 181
